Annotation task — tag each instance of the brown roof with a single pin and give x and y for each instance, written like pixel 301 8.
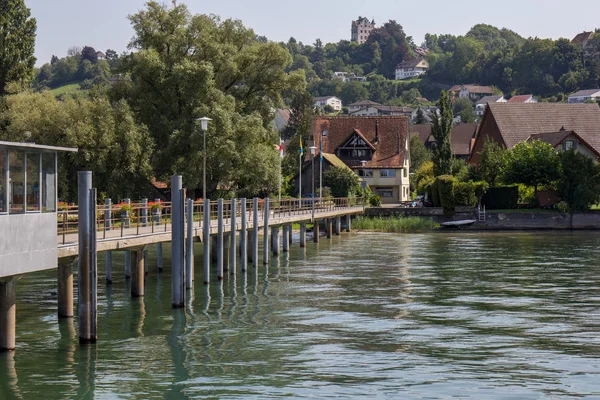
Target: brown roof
pixel 391 131
pixel 557 138
pixel 522 98
pixel 364 103
pixel 472 89
pixel 423 130
pixel 460 138
pixel 582 37
pixel 516 122
pixel 410 63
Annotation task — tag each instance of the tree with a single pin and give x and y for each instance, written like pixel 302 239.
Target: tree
pixel 441 131
pixel 418 153
pixel 301 115
pixel 353 92
pixel 464 108
pixel 17 44
pixel 491 161
pixel 188 66
pixel 90 54
pixel 579 182
pixel 420 119
pixel 531 163
pixel 342 181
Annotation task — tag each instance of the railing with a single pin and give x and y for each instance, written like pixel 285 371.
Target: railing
pixel 145 218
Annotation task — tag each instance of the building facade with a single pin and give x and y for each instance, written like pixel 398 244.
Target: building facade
pixel 584 95
pixel 361 30
pixel 331 101
pixel 411 68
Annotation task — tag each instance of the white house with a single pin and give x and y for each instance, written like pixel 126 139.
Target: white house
pixel 472 92
pixel 348 77
pixel 483 102
pixel 332 101
pixel 411 68
pixel 367 108
pixel 583 95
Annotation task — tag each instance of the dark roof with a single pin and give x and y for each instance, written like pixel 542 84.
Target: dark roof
pixel 587 92
pixel 557 138
pixel 516 122
pixel 364 103
pixel 423 130
pixel 460 138
pixel 522 98
pixel 391 131
pixel 488 99
pixel 410 63
pixel 582 37
pixel 472 88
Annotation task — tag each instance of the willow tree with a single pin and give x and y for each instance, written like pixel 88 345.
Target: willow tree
pixel 441 131
pixel 189 66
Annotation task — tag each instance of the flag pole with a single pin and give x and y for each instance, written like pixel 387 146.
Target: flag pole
pixel 300 176
pixel 321 171
pixel 280 156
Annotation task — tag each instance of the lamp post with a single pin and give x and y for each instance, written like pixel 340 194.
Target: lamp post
pixel 204 126
pixel 364 182
pixel 313 150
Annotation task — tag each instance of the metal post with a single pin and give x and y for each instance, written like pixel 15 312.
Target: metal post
pixel 266 232
pixel 108 265
pixel 107 213
pixel 86 271
pixel 233 248
pixel 338 225
pixel 8 314
pixel 127 220
pixel 348 223
pixel 206 232
pixel 328 227
pixel 220 239
pixel 137 276
pixel 286 238
pixel 275 234
pixel 159 257
pixel 316 231
pixel 243 236
pixel 312 195
pixel 65 287
pixel 178 242
pixel 302 234
pixel 255 231
pixel 144 212
pixel 189 248
pixel 127 263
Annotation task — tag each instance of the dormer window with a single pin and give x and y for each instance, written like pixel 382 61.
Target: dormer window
pixel 324 133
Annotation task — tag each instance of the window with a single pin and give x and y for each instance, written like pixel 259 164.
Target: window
pixel 3 183
pixel 48 182
pixel 16 193
pixel 33 182
pixel 365 172
pixel 388 173
pixel 568 145
pixel 385 191
pixel 405 172
pixel 324 132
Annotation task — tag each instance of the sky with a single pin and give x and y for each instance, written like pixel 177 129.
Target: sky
pixel 103 24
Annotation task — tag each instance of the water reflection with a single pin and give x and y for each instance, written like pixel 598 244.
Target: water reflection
pixel 9 381
pixel 86 371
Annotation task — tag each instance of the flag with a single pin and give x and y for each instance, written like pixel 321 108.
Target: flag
pixel 301 150
pixel 321 149
pixel 280 148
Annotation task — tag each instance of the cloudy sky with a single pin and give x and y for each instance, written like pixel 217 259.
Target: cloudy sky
pixel 103 24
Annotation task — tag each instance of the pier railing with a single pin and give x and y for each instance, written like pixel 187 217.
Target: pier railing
pixel 126 219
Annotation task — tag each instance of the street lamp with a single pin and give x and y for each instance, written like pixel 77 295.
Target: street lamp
pixel 364 182
pixel 204 126
pixel 313 151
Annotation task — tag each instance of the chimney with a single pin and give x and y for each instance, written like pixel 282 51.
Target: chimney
pixel 376 131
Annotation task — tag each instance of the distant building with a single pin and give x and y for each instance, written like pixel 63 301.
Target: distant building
pixel 483 102
pixel 461 138
pixel 367 108
pixel 582 40
pixel 411 68
pixel 523 99
pixel 348 77
pixel 332 101
pixel 583 95
pixel 361 29
pixel 100 55
pixel 564 140
pixel 428 112
pixel 472 92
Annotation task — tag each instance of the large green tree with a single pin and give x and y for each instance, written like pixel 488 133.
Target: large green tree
pixel 441 131
pixel 532 163
pixel 491 161
pixel 188 66
pixel 579 183
pixel 17 44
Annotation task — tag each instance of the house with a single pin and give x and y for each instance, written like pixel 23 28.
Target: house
pixel 428 112
pixel 411 68
pixel 564 140
pixel 523 99
pixel 367 108
pixel 461 138
pixel 583 95
pixel 509 124
pixel 361 30
pixel 282 118
pixel 100 55
pixel 582 40
pixel 483 102
pixel 348 77
pixel 332 101
pixel 472 92
pixel 381 142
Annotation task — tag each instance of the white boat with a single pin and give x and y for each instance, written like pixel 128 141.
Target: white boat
pixel 458 224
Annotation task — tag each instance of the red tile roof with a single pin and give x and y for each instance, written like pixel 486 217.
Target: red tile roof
pixel 522 98
pixel 391 131
pixel 472 89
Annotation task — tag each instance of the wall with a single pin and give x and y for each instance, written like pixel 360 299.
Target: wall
pixel 29 243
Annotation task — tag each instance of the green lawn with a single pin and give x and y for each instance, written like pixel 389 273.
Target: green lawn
pixel 73 87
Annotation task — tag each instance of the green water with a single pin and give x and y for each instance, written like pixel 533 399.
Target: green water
pixel 464 315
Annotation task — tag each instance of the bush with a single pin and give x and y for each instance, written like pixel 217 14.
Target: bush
pixel 502 197
pixel 445 186
pixel 374 200
pixel 464 194
pixel 342 181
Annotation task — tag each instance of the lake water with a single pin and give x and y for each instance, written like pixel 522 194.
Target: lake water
pixel 364 315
